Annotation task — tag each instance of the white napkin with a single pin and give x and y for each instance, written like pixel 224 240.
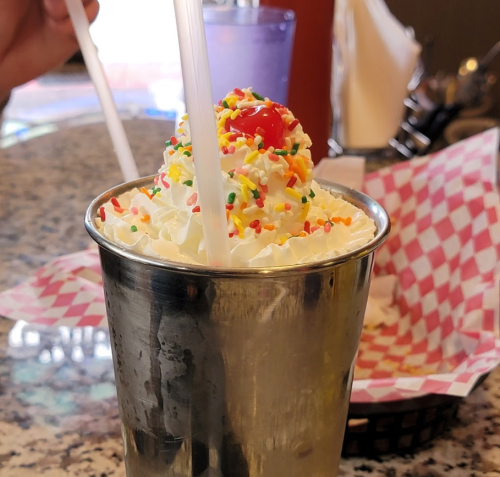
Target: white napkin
pixel 345 170
pixel 377 62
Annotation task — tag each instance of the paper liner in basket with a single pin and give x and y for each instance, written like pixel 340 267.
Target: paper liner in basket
pixel 65 292
pixel 444 248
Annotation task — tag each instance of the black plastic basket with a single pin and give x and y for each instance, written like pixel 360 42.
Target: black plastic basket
pixel 398 426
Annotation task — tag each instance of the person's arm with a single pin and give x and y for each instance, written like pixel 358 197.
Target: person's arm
pixel 35 37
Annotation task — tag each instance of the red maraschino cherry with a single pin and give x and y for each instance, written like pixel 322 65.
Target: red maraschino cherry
pixel 261 118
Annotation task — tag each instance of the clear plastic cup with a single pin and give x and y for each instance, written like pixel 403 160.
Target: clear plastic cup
pixel 250 47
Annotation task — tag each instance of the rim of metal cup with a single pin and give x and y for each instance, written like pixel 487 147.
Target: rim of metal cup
pixel 281 14
pixel 372 208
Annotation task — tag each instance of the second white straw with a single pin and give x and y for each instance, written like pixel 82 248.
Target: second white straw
pixel 80 22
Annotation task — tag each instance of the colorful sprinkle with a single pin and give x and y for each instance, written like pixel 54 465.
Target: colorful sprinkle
pixel 305 210
pixel 177 146
pixel 187 153
pixel 269 227
pixel 231 149
pixel 237 224
pixel 295 148
pixel 312 195
pixel 292 181
pixel 145 218
pixel 273 157
pixel 251 157
pixel 258 229
pixel 257 96
pixel 260 131
pixel 243 206
pixel 133 228
pixel 293 193
pixel 229 206
pixel 230 174
pixel 102 213
pixel 231 197
pixel 293 124
pixel 281 152
pixel 244 193
pixel 192 199
pixel 260 203
pixel 174 172
pixel 236 113
pixel 168 143
pixel 304 199
pixel 134 210
pixel 115 202
pixel 240 170
pixel 225 104
pixel 145 192
pixel 247 181
pixel 196 209
pixel 302 167
pixel 261 145
pixel 253 224
pixel 188 182
pixel 255 193
pixel 238 92
pixel 307 226
pixel 328 227
pixel 162 180
pixel 320 222
pixel 313 229
pixel 224 150
pixel 288 206
pixel 173 140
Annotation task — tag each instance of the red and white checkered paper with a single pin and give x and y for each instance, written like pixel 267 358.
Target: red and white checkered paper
pixel 65 292
pixel 444 247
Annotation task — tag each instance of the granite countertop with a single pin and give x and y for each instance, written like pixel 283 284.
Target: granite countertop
pixel 58 409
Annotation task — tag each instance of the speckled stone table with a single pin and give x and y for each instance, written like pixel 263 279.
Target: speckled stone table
pixel 58 409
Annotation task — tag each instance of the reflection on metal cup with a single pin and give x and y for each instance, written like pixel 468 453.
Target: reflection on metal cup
pixel 234 372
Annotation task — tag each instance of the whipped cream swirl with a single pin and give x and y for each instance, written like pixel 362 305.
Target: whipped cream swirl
pixel 276 213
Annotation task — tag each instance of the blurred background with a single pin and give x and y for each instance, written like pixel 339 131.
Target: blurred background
pixel 140 54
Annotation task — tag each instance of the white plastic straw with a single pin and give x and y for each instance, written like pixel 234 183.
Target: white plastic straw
pixel 198 91
pixel 94 66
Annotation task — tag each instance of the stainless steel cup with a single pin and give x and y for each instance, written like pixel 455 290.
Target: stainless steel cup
pixel 234 372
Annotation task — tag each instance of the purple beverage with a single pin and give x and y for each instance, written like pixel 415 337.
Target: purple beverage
pixel 250 47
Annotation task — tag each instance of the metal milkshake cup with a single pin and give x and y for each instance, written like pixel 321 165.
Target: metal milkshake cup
pixel 234 372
